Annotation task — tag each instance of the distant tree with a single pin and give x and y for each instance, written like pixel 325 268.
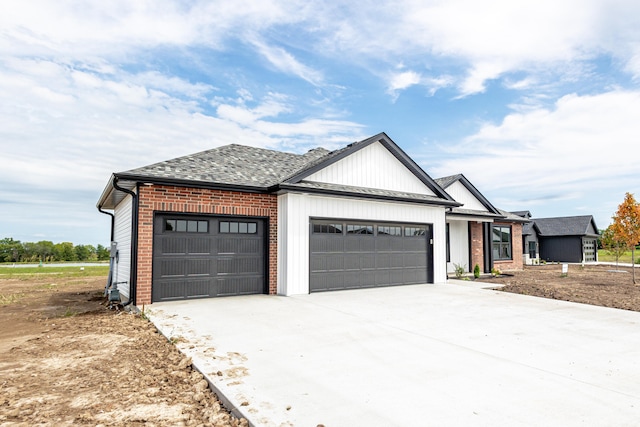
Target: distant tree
pixel 10 250
pixel 102 253
pixel 613 246
pixel 64 252
pixel 626 226
pixel 85 252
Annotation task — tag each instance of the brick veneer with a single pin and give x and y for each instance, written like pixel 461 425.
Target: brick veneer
pixel 153 198
pixel 516 262
pixel 477 248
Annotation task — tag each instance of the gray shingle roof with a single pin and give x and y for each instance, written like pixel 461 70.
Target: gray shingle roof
pixel 565 226
pixel 231 164
pixel 446 181
pixel 373 192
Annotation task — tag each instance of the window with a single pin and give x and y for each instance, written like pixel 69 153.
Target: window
pixel 448 244
pixel 359 229
pixel 186 226
pixel 384 230
pixel 327 228
pixel 238 227
pixel 501 242
pixel 414 231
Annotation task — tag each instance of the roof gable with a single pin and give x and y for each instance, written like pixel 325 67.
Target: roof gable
pixel 462 191
pixel 360 165
pixel 583 225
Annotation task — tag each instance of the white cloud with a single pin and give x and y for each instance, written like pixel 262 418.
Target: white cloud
pixel 287 63
pixel 584 145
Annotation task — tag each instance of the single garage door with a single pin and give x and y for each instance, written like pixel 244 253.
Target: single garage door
pixel 203 256
pixel 360 254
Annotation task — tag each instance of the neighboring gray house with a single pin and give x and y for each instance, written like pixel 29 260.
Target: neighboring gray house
pixel 563 239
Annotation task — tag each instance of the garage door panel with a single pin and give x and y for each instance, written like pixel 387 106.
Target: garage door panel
pixel 173 246
pixel 172 268
pixel 200 262
pixel 367 260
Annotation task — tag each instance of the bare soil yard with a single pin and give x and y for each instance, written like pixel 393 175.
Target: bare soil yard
pixel 65 359
pixel 603 285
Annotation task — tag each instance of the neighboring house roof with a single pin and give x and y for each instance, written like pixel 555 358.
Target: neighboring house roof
pixel 510 217
pixel 239 167
pixel 583 225
pixel 491 211
pixel 524 214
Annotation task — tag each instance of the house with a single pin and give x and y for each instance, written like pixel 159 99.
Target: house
pixel 566 239
pixel 478 233
pixel 530 244
pixel 239 220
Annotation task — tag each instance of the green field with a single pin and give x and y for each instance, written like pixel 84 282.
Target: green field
pixel 603 256
pixel 7 271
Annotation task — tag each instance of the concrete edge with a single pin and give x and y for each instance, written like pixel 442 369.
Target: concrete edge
pixel 227 402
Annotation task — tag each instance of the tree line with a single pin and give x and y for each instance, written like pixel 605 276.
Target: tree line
pixel 16 251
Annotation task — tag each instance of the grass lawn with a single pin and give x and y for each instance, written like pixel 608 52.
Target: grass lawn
pixel 604 256
pixel 26 272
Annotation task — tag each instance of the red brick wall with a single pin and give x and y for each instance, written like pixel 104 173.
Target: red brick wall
pixel 477 252
pixel 164 198
pixel 516 263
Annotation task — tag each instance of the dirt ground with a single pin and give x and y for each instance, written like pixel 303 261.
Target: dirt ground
pixel 602 285
pixel 65 359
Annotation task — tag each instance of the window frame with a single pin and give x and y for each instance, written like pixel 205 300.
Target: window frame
pixel 501 244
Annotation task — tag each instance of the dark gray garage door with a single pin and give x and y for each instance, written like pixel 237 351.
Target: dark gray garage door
pixel 359 254
pixel 201 257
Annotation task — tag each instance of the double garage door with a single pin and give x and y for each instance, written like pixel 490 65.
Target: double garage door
pixel 360 254
pixel 204 256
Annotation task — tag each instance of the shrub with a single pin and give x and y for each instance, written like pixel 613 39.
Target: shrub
pixel 476 271
pixel 459 270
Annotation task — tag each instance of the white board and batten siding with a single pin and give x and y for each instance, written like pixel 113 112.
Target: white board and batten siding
pixel 371 167
pixel 295 212
pixel 461 194
pixel 458 245
pixel 122 235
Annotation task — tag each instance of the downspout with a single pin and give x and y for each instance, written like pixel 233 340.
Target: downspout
pixel 133 273
pixel 110 276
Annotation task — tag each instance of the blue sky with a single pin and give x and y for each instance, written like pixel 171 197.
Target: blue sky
pixel 536 103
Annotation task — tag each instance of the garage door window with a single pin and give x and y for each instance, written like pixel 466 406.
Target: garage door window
pixel 414 231
pixel 186 226
pixel 327 228
pixel 238 227
pixel 384 230
pixel 359 229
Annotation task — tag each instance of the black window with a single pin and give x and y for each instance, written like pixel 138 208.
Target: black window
pixel 327 228
pixel 238 227
pixel 448 245
pixel 186 226
pixel 501 242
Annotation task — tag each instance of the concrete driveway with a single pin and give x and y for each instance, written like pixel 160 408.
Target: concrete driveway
pixel 422 355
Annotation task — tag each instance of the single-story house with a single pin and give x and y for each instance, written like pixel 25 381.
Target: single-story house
pixel 238 220
pixel 478 233
pixel 565 239
pixel 530 244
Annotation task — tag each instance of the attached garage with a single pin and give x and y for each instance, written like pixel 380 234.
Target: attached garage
pixel 362 254
pixel 235 220
pixel 207 256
